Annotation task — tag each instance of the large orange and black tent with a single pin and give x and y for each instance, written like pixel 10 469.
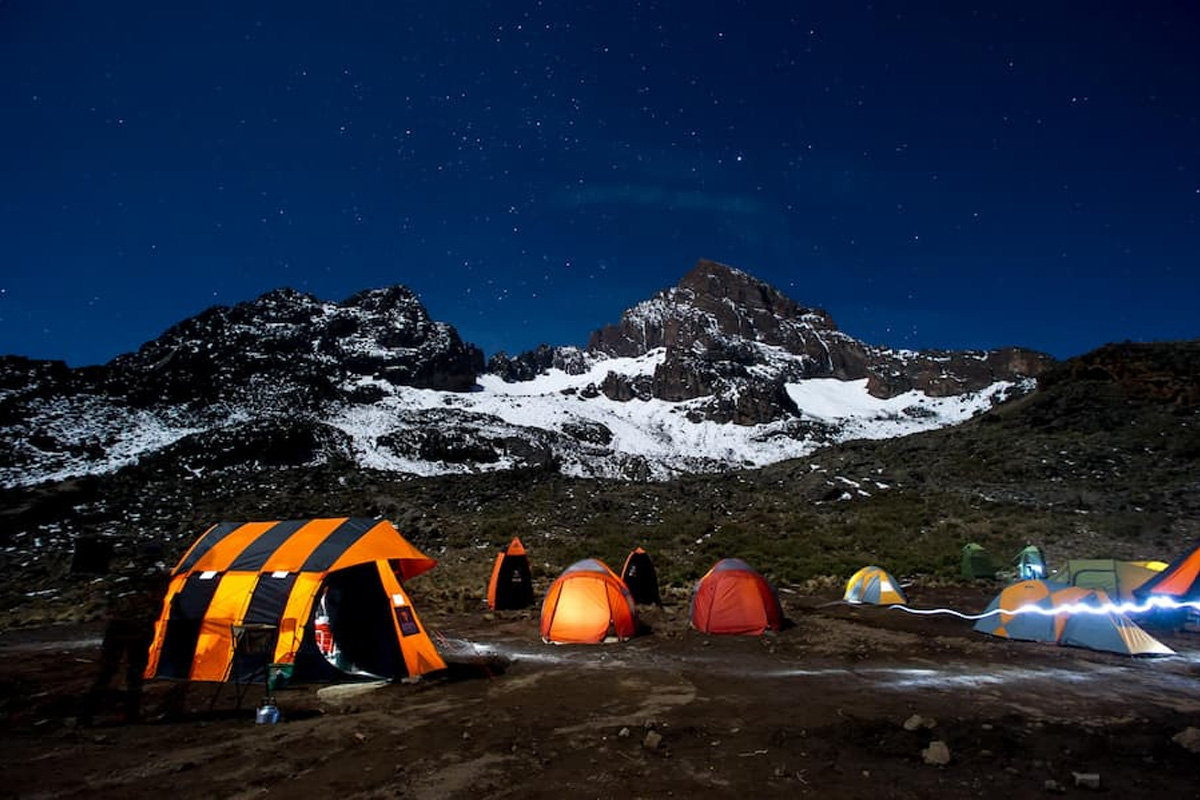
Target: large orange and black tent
pixel 269 575
pixel 640 578
pixel 587 604
pixel 511 585
pixel 733 598
pixel 1179 581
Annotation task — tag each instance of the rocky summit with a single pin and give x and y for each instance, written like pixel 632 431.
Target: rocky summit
pixel 720 370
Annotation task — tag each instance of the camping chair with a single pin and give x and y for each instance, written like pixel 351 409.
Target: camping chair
pixel 253 643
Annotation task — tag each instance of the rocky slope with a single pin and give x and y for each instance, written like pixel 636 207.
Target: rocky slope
pixel 727 336
pixel 721 370
pixel 1102 460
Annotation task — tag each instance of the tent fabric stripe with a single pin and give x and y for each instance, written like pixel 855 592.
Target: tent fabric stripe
pixel 206 542
pixel 337 543
pixel 179 635
pixel 255 554
pixel 219 552
pixel 269 598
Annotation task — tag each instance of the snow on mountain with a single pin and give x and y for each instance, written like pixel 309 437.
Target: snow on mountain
pixel 720 371
pixel 656 434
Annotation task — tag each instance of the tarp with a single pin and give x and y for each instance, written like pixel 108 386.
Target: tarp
pixel 1041 611
pixel 874 585
pixel 266 576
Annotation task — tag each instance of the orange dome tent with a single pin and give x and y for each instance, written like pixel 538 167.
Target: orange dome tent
pixel 511 585
pixel 586 604
pixel 733 598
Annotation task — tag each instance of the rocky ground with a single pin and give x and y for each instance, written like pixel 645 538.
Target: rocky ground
pixel 846 702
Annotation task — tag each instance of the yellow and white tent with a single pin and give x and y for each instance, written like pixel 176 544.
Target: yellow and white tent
pixel 874 585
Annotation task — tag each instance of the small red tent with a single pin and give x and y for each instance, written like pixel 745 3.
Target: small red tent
pixel 733 598
pixel 586 604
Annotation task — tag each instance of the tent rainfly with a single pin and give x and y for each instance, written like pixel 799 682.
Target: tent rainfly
pixel 733 598
pixel 271 576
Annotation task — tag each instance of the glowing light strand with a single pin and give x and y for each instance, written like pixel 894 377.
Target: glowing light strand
pixel 1153 604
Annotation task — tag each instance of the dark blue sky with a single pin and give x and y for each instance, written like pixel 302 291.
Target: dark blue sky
pixel 950 175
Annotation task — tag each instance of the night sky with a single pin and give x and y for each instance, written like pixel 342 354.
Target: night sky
pixel 955 175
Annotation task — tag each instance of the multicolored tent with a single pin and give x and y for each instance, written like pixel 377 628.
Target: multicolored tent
pixel 511 584
pixel 266 577
pixel 733 598
pixel 1041 611
pixel 587 604
pixel 874 585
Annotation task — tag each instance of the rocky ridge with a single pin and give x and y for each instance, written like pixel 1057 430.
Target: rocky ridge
pixel 733 338
pixel 721 370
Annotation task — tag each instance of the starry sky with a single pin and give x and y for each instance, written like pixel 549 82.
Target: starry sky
pixel 951 174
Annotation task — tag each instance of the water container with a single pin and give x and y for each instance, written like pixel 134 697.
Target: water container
pixel 268 713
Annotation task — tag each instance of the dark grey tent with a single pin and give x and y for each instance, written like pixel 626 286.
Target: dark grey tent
pixel 640 578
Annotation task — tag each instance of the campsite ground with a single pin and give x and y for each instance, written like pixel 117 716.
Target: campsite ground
pixel 816 710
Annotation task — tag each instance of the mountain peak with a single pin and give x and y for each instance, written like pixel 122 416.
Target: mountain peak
pixel 712 301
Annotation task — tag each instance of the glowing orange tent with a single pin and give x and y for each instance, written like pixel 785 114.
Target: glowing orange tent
pixel 586 604
pixel 511 584
pixel 733 598
pixel 270 576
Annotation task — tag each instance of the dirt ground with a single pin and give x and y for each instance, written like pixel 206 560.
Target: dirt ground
pixel 818 709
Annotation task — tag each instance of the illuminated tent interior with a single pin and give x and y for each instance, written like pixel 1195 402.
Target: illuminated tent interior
pixel 588 604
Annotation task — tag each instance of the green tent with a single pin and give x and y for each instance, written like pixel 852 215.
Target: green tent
pixel 1030 563
pixel 976 563
pixel 1118 579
